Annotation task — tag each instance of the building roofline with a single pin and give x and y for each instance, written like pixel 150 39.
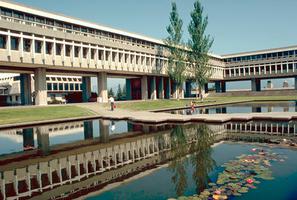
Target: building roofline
pixel 271 50
pixel 57 16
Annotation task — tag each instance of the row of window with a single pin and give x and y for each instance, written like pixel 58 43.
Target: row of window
pixel 27 43
pixel 56 23
pixel 261 68
pixel 63 86
pixel 262 56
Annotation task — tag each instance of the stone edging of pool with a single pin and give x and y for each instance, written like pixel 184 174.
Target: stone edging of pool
pixel 218 104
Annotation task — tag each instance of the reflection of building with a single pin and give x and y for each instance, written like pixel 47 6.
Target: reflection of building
pixel 85 166
pixel 58 88
pixel 269 85
pixel 285 84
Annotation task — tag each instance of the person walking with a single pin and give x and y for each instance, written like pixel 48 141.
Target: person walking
pixel 111 100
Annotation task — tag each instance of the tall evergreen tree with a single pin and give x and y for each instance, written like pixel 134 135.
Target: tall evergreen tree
pixel 176 62
pixel 199 44
pixel 119 93
pixel 110 92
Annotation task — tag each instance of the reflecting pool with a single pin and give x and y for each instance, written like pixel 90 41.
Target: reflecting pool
pixel 102 159
pixel 285 106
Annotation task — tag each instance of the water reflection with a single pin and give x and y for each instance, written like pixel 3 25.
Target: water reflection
pixel 100 153
pixel 286 106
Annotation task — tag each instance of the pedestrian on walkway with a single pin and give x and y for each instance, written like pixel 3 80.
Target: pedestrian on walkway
pixel 111 100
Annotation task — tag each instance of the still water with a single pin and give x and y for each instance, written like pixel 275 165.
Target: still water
pixel 82 159
pixel 285 106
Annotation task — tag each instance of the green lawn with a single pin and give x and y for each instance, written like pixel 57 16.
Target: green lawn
pixel 19 115
pixel 164 104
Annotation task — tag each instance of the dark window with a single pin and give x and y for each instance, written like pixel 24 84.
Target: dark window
pixel 76 86
pixel 76 28
pixel 7 12
pixel 2 41
pixel 66 86
pixel 71 86
pixel 59 24
pixel 50 22
pixel 29 17
pixel 280 54
pixel 55 86
pixel 27 45
pixel 113 56
pixel 286 53
pixel 61 86
pixel 40 20
pixel 18 15
pixel 76 51
pixel 67 50
pixel 68 26
pixel 48 47
pixel 269 55
pixel 58 49
pixel 93 51
pixel 100 55
pixel 291 53
pixel 49 86
pixel 14 43
pixel 38 46
pixel 85 52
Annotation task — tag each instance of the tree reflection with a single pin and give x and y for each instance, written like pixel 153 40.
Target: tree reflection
pixel 201 158
pixel 178 164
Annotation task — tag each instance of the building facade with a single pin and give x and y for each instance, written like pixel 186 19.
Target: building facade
pixel 38 42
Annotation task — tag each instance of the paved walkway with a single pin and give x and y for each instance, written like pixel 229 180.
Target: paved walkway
pixel 151 117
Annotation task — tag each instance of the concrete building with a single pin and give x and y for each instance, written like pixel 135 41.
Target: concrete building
pixel 38 42
pixel 58 87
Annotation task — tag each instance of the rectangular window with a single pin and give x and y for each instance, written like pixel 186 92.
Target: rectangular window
pixel 38 46
pixel 58 49
pixel 49 86
pixel 77 86
pixel 76 51
pixel 93 51
pixel 48 47
pixel 85 52
pixel 61 86
pixel 67 50
pixel 18 15
pixel 7 12
pixel 14 43
pixel 66 87
pixel 29 17
pixel 27 45
pixel 71 86
pixel 100 55
pixel 55 86
pixel 2 42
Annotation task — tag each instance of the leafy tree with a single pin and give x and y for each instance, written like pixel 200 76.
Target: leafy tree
pixel 110 92
pixel 119 93
pixel 177 56
pixel 199 46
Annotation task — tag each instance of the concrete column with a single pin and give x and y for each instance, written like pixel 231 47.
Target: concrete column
pixel 168 88
pixel 86 88
pixel 102 87
pixel 104 130
pixel 256 84
pixel 88 129
pixel 128 89
pixel 188 89
pixel 161 88
pixel 40 87
pixel 25 85
pixel 43 139
pixel 144 89
pixel 28 137
pixel 153 90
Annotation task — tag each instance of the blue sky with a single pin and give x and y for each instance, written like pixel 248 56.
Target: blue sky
pixel 236 25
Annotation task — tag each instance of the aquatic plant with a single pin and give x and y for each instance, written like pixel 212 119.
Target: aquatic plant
pixel 240 175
